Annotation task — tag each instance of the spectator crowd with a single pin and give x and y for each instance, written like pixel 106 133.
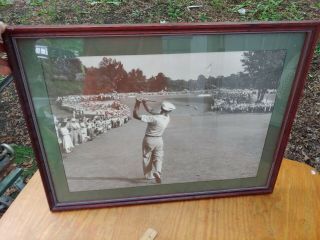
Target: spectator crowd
pixel 91 105
pixel 74 131
pixel 92 115
pixel 243 100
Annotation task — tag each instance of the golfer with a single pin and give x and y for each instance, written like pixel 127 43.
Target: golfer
pixel 152 145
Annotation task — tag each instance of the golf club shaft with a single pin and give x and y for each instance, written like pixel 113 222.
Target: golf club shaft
pixel 181 104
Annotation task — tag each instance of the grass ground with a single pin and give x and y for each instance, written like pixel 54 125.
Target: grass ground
pixel 24 158
pixel 113 159
pixel 138 11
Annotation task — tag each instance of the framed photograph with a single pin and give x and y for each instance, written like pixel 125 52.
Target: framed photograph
pixel 130 114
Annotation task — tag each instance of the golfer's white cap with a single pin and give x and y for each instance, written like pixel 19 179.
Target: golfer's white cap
pixel 167 106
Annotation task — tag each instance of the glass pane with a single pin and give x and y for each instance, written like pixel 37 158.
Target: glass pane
pixel 219 102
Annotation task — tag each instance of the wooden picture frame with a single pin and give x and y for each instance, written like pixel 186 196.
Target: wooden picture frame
pixel 225 137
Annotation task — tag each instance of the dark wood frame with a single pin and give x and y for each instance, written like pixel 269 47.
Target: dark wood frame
pixel 311 28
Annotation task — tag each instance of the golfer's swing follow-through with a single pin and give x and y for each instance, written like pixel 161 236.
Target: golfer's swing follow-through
pixel 152 145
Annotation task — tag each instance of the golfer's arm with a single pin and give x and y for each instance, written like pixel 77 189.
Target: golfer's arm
pixel 149 109
pixel 136 114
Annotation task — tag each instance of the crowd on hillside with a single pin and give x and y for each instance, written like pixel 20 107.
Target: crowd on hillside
pixel 222 106
pixel 74 131
pixel 235 95
pixel 92 115
pixel 243 100
pixel 83 98
pixel 107 105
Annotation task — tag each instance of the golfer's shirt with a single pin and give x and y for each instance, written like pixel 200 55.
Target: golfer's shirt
pixel 156 124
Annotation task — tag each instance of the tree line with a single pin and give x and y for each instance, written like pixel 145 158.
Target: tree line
pixel 262 70
pixel 111 76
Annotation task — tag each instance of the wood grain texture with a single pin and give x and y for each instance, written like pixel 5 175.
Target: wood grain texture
pixel 156 28
pixel 150 234
pixel 291 212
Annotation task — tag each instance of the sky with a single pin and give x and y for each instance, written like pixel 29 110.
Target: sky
pixel 177 66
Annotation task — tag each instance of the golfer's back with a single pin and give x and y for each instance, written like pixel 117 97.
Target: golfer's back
pixel 156 124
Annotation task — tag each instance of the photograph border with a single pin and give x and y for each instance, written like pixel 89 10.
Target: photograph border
pixel 12 33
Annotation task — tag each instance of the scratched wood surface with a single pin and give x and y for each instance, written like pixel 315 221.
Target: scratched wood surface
pixel 291 212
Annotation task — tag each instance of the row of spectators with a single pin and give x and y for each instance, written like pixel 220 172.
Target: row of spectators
pixel 107 108
pixel 84 98
pixel 92 115
pixel 75 131
pixel 243 95
pixel 235 97
pixel 243 100
pixel 243 107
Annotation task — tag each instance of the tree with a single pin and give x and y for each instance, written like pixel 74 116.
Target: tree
pixel 89 84
pixel 112 75
pixel 244 80
pixel 212 82
pixel 264 69
pixel 60 58
pixel 109 77
pixel 136 81
pixel 157 83
pixel 201 82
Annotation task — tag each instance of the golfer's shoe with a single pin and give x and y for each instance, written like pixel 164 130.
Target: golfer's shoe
pixel 157 177
pixel 149 176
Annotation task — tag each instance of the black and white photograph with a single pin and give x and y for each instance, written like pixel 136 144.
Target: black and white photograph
pixel 135 114
pixel 143 120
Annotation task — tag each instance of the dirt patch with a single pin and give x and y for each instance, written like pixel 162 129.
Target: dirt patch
pixel 13 128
